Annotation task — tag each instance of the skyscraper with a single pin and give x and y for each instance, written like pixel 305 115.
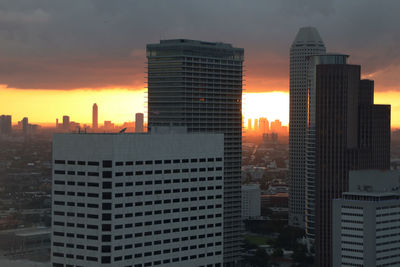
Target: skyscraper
pixel 307 42
pixel 264 125
pixel 95 116
pixel 199 85
pixel 249 124
pixel 25 126
pixel 66 124
pixel 139 123
pixel 349 128
pixel 5 124
pixel 256 125
pixel 152 199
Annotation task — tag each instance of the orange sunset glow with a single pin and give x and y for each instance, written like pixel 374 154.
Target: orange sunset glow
pixel 119 105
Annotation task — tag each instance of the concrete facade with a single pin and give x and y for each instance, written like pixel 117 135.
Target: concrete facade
pixel 138 199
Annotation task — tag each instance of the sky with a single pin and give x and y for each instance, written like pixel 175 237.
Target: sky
pixel 66 55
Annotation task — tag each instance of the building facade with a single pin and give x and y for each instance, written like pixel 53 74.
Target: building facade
pixel 344 141
pixel 366 220
pixel 137 199
pixel 199 85
pixel 251 201
pixel 307 42
pixel 139 123
pixel 5 124
pixel 95 116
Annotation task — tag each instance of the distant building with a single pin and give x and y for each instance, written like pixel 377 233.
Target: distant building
pixel 264 125
pixel 366 220
pixel 139 123
pixel 148 199
pixel 57 124
pixel 249 124
pixel 270 138
pixel 251 201
pixel 5 124
pixel 95 116
pixel 25 126
pixel 276 126
pixel 66 125
pixel 108 125
pixel 256 125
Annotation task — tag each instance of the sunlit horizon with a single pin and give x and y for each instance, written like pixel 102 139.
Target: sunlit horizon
pixel 119 105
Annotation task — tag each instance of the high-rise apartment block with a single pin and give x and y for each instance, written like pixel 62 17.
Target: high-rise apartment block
pixel 366 220
pixel 153 199
pixel 347 132
pixel 139 122
pixel 5 124
pixel 251 201
pixel 199 85
pixel 95 116
pixel 307 43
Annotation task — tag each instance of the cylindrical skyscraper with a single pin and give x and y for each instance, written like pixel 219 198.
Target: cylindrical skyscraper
pixel 307 43
pixel 95 116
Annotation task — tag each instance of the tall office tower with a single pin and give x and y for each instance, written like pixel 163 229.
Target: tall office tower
pixel 307 42
pixel 249 124
pixel 256 125
pixel 5 124
pixel 264 125
pixel 313 61
pixel 95 116
pixel 56 123
pixel 139 122
pixel 66 124
pixel 348 128
pixel 199 85
pixel 25 126
pixel 366 220
pixel 138 199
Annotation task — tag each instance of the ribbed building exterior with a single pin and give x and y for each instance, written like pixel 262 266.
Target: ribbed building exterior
pixel 348 130
pixel 366 220
pixel 307 42
pixel 199 85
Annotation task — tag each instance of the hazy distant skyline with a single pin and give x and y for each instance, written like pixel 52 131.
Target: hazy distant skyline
pixel 90 45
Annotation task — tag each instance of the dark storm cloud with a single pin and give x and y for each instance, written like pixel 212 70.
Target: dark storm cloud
pixel 57 44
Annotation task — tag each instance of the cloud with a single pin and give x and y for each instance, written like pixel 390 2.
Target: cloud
pixel 59 44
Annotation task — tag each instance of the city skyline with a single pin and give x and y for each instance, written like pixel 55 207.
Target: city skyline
pixel 98 69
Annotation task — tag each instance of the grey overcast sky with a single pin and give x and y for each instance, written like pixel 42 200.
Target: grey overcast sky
pixel 96 44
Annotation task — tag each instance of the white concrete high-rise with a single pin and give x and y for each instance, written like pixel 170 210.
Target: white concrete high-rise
pixel 138 199
pixel 251 201
pixel 366 220
pixel 307 42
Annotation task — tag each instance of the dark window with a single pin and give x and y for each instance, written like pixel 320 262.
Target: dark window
pixel 107 163
pixel 93 163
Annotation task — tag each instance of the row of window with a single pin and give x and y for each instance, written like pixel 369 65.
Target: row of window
pixel 108 163
pixel 107 206
pixel 108 195
pixel 137 173
pixel 107 238
pixel 138 183
pixel 107 216
pixel 107 259
pixel 107 249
